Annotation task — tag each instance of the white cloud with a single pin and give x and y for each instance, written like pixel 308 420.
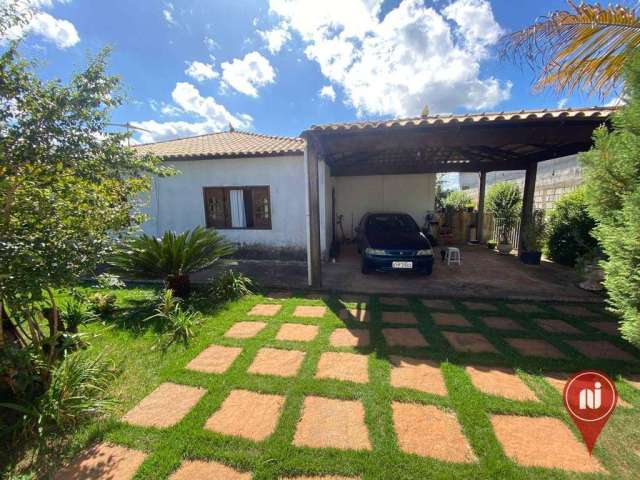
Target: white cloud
pixel 248 74
pixel 328 92
pixel 562 103
pixel 60 32
pixel 210 43
pixel 187 98
pixel 276 37
pixel 415 55
pixel 201 71
pixel 167 13
pixel 616 101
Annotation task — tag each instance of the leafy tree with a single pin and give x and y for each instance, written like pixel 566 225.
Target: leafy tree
pixel 504 201
pixel 67 188
pixel 585 46
pixel 458 200
pixel 612 171
pixel 569 228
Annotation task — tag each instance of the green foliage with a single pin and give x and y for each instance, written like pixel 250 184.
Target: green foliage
pixel 569 228
pixel 103 303
pixel 75 312
pixel 181 326
pixel 458 200
pixel 77 391
pixel 534 232
pixel 612 171
pixel 172 255
pixel 504 201
pixel 166 304
pixel 231 286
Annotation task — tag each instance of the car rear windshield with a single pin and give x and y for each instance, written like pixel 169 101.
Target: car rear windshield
pixel 391 223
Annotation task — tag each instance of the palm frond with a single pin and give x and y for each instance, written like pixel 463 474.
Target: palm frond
pixel 582 48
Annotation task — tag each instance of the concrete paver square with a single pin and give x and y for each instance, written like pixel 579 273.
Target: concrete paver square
pixel 247 414
pixel 355 314
pixel 394 301
pixel 524 307
pixel 275 361
pixel 417 374
pixel 501 323
pixel 214 359
pixel 404 337
pixel 610 328
pixel 556 326
pixel 530 347
pixel 349 337
pixel 436 304
pixel 543 442
pixel 399 318
pixel 245 329
pixel 165 406
pixel 575 310
pixel 450 319
pixel 297 332
pixel 331 423
pixel 428 431
pixel 201 470
pixel 600 349
pixel 487 307
pixel 502 382
pixel 265 309
pixel 309 311
pixel 350 367
pixel 103 461
pixel 469 342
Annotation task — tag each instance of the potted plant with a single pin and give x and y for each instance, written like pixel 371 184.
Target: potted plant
pixel 491 244
pixel 504 202
pixel 590 271
pixel 532 238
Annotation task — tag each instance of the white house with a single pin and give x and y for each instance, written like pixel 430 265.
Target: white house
pixel 253 189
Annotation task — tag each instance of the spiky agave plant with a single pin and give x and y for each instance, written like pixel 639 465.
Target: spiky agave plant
pixel 172 257
pixel 585 46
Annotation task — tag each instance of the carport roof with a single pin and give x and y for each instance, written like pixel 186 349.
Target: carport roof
pixel 455 143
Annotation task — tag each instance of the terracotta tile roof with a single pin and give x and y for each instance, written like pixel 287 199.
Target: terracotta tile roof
pixel 224 145
pixel 522 115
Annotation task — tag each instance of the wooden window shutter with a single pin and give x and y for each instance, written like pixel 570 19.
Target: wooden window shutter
pixel 215 207
pixel 261 207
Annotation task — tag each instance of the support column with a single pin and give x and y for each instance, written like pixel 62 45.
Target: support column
pixel 527 201
pixel 481 194
pixel 313 242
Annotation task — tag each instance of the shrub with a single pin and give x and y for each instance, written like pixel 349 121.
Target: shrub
pixel 75 312
pixel 77 391
pixel 173 257
pixel 166 304
pixel 103 303
pixel 231 286
pixel 109 281
pixel 504 201
pixel 181 326
pixel 569 229
pixel 613 195
pixel 458 200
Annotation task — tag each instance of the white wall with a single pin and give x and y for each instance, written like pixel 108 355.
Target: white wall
pixel 355 196
pixel 177 202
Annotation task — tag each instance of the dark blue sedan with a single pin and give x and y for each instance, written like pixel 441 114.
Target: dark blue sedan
pixel 391 242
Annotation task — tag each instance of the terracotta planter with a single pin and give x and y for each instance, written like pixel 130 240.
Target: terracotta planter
pixel 504 248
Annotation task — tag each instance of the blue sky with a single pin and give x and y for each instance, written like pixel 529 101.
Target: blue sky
pixel 279 66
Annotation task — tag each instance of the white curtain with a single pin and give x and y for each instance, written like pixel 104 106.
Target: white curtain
pixel 238 218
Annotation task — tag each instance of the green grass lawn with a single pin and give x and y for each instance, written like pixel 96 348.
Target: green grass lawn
pixel 145 367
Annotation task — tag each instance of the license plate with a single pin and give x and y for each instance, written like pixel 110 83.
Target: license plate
pixel 402 264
